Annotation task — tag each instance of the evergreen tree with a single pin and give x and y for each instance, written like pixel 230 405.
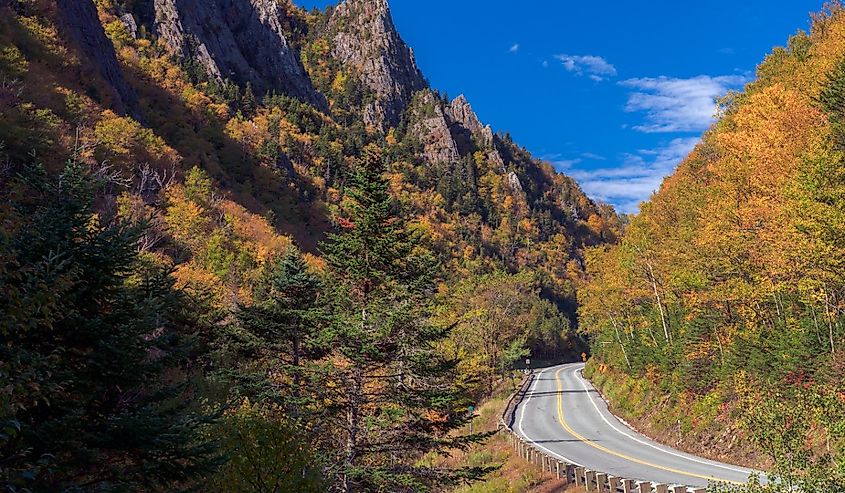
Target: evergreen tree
pixel 394 391
pixel 283 327
pixel 248 101
pixel 86 339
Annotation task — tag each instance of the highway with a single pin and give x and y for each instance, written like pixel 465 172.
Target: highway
pixel 563 415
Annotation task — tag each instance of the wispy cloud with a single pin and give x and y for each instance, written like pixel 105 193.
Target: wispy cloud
pixel 562 164
pixel 514 48
pixel 594 67
pixel 639 175
pixel 678 105
pixel 592 156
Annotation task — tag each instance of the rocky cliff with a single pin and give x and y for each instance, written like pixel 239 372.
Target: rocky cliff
pixel 447 132
pixel 431 127
pixel 364 39
pixel 80 24
pixel 460 112
pixel 241 40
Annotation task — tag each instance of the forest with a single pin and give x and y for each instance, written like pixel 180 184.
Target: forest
pixel 726 297
pixel 259 253
pixel 209 285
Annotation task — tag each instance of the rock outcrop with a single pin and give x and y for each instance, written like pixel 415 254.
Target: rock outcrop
pixel 432 128
pixel 515 184
pixel 81 26
pixel 463 124
pixel 460 112
pixel 449 131
pixel 365 40
pixel 241 40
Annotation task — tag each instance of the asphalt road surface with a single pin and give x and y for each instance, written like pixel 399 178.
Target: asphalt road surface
pixel 563 415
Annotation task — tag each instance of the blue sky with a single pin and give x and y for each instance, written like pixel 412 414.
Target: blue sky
pixel 613 93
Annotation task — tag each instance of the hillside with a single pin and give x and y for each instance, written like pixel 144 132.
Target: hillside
pixel 724 300
pixel 203 201
pixel 280 137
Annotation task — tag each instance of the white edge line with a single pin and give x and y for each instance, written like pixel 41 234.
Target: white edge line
pixel 523 405
pixel 661 449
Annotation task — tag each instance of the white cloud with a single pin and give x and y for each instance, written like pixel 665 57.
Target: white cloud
pixel 595 157
pixel 514 48
pixel 566 163
pixel 595 67
pixel 637 178
pixel 545 64
pixel 678 105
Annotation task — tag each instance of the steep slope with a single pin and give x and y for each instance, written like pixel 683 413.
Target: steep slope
pixel 485 203
pixel 238 40
pixel 364 39
pixel 82 25
pixel 212 188
pixel 726 298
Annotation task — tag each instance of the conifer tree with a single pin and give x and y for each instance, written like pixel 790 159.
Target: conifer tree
pixel 284 324
pixel 86 340
pixel 248 101
pixel 395 398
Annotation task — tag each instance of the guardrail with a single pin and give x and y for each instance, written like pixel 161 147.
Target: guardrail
pixel 572 474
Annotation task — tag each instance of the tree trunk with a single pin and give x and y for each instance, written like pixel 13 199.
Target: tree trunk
pixel 619 340
pixel 659 303
pixel 353 425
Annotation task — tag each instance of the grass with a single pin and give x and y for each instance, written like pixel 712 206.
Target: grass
pixel 703 425
pixel 514 475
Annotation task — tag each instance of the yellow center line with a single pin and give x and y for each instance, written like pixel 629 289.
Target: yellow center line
pixel 612 452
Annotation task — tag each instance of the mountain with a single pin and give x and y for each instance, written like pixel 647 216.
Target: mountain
pixel 364 40
pixel 238 234
pixel 277 127
pixel 236 40
pixel 724 300
pixel 82 28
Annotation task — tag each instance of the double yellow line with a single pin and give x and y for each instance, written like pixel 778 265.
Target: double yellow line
pixel 606 450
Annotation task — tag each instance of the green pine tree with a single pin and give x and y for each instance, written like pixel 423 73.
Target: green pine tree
pixel 92 347
pixel 249 104
pixel 395 397
pixel 282 331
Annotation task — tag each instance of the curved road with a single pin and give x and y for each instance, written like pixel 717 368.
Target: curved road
pixel 565 416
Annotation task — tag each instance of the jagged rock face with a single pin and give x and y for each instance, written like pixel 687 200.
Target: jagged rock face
pixel 241 40
pixel 515 184
pixel 365 40
pixel 460 111
pixel 446 134
pixel 130 24
pixel 432 129
pixel 81 25
pixel 487 136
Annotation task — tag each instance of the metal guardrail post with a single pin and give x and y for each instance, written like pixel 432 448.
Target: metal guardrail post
pixel 579 476
pixel 644 486
pixel 601 482
pixel 590 480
